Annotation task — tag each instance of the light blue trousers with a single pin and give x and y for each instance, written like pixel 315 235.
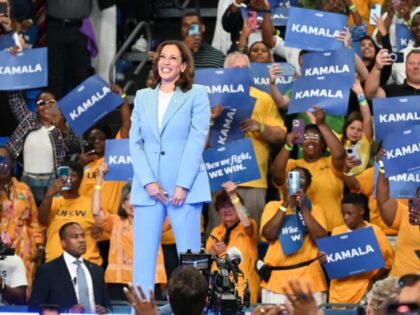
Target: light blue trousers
pixel 148 222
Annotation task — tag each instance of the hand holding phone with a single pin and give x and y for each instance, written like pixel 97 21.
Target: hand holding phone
pixel 375 12
pixel 414 210
pixel 3 9
pixel 251 20
pixel 298 128
pixel 294 182
pixel 353 153
pixel 194 30
pixel 64 172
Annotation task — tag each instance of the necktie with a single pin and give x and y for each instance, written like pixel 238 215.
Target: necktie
pixel 82 287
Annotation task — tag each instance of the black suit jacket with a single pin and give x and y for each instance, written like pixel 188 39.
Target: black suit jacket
pixel 53 285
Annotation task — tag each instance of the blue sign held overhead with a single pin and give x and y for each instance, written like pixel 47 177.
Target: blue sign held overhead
pixel 118 158
pixel 401 186
pixel 351 253
pixel 336 62
pixel 27 70
pixel 402 151
pixel 229 87
pixel 395 113
pixel 330 94
pixel 226 127
pixel 234 162
pixel 88 103
pixel 403 35
pixel 260 77
pixel 314 30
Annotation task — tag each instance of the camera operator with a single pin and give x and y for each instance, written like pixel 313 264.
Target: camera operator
pixel 291 228
pixel 13 283
pixel 238 230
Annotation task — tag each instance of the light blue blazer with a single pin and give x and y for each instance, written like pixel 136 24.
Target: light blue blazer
pixel 173 156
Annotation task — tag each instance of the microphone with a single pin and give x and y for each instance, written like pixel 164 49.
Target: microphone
pixel 235 255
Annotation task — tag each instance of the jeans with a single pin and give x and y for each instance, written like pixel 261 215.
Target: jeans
pixel 38 185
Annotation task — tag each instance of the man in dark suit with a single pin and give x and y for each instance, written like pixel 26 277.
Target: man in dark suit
pixel 71 282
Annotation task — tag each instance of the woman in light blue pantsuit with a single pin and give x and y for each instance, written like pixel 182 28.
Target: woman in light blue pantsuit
pixel 169 126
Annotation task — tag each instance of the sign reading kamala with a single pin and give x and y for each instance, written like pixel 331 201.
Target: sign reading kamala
pixel 402 185
pixel 330 94
pixel 87 103
pixel 395 113
pixel 351 253
pixel 235 162
pixel 228 87
pixel 260 78
pixel 226 127
pixel 118 158
pixel 27 70
pixel 402 151
pixel 403 35
pixel 314 30
pixel 336 62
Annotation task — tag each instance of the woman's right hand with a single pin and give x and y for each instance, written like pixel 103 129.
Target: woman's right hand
pixel 290 139
pixel 102 170
pixel 86 157
pixel 156 192
pixel 56 187
pixel 218 248
pixel 6 22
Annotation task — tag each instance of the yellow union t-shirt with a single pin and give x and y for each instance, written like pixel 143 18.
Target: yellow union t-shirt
pixel 71 210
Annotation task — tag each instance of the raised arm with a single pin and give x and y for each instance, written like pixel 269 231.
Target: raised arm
pixel 18 106
pixel 267 27
pixel 45 207
pixel 97 212
pixel 282 101
pixel 372 88
pixel 271 229
pixel 364 110
pixel 278 168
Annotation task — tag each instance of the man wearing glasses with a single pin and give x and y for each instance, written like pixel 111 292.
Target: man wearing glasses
pixel 43 138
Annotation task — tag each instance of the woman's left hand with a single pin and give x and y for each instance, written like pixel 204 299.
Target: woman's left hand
pixel 300 198
pixel 179 196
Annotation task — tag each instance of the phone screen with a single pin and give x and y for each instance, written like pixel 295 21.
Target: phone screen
pixel 194 30
pixel 251 20
pixel 3 8
pixel 413 206
pixel 64 171
pixel 375 11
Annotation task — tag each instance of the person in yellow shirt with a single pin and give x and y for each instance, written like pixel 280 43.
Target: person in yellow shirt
pixel 326 189
pixel 397 215
pixel 352 289
pixel 238 230
pixel 265 127
pixel 69 206
pixel 298 257
pixel 119 271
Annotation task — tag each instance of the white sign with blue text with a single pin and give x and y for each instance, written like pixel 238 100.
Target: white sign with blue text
pixel 234 162
pixel 87 103
pixel 314 30
pixel 27 70
pixel 118 158
pixel 351 253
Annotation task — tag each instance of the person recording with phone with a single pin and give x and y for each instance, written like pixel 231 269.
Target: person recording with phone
pixel 291 227
pixel 19 225
pixel 42 138
pixel 62 204
pixel 192 33
pixel 411 84
pixel 405 218
pixel 237 230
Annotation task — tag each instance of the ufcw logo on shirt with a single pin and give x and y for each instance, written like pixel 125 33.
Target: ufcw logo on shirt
pixel 71 213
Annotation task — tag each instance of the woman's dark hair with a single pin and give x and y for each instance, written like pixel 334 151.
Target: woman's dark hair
pixel 259 42
pixel 186 77
pixel 352 117
pixel 222 198
pixel 105 129
pixel 124 194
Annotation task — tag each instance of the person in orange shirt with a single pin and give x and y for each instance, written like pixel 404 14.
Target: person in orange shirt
pixel 19 226
pixel 238 230
pixel 352 289
pixel 398 216
pixel 119 271
pixel 292 253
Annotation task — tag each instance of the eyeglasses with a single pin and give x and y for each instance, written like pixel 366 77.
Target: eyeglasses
pixel 311 137
pixel 42 102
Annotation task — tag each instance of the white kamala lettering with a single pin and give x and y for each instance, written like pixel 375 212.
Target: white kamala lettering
pixel 21 69
pixel 90 102
pixel 349 253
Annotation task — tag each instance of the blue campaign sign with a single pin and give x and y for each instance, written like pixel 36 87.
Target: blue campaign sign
pixel 279 16
pixel 395 113
pixel 226 127
pixel 401 186
pixel 260 78
pixel 402 151
pixel 403 35
pixel 291 234
pixel 330 94
pixel 87 103
pixel 228 87
pixel 27 70
pixel 314 30
pixel 118 158
pixel 234 162
pixel 337 62
pixel 351 253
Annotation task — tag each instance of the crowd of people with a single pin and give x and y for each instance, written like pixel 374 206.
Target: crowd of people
pixel 79 241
